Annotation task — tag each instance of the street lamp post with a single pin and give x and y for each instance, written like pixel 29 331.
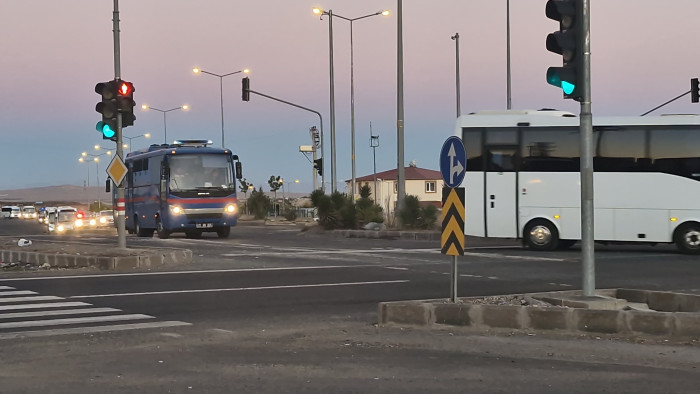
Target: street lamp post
pixel 198 70
pixel 456 39
pixel 146 107
pixel 146 135
pixel 330 14
pixel 88 157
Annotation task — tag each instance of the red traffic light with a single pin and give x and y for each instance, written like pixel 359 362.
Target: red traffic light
pixel 125 88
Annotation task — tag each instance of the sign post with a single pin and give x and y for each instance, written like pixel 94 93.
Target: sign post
pixel 453 164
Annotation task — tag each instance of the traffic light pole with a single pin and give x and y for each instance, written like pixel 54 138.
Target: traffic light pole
pixel 586 131
pixel 121 228
pixel 323 183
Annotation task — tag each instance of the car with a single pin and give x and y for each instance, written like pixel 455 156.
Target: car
pixel 63 219
pixel 105 219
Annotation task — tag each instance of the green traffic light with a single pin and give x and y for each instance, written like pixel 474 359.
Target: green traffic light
pixel 105 129
pixel 560 77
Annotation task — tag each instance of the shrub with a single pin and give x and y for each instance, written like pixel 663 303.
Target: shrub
pixel 259 204
pixel 413 216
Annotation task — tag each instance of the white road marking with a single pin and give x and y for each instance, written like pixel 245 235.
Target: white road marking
pixel 43 305
pixel 16 292
pixel 35 298
pixel 6 288
pixel 87 330
pixel 59 312
pixel 242 289
pixel 73 320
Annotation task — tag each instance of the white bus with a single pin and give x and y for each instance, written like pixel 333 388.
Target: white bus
pixel 522 178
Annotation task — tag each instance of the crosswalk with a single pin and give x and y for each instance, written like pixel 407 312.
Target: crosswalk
pixel 25 313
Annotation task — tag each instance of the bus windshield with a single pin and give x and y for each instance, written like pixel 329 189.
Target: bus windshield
pixel 197 172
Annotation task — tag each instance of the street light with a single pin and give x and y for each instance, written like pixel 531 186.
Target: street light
pixel 86 158
pixel 146 135
pixel 146 107
pixel 330 13
pixel 198 70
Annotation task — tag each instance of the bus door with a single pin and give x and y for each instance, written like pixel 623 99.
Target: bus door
pixel 500 191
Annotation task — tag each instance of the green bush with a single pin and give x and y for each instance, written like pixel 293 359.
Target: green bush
pixel 413 216
pixel 259 204
pixel 339 211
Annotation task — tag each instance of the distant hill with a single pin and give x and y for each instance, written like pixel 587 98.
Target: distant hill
pixel 50 195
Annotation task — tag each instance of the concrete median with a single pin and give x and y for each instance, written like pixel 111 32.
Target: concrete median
pixel 613 311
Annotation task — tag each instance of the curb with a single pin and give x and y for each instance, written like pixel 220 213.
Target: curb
pixel 387 234
pixel 670 314
pixel 144 259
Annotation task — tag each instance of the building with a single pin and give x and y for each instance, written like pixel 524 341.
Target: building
pixel 420 182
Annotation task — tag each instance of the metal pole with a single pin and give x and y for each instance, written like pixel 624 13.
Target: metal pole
pixel 400 178
pixel 165 130
pixel 121 228
pixel 508 97
pixel 456 39
pixel 221 91
pixel 352 114
pixel 586 130
pixel 454 277
pixel 332 100
pixel 374 143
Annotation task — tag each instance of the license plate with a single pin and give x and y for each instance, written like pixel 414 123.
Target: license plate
pixel 204 225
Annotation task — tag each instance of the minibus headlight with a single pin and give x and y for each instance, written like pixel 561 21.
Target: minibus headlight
pixel 78 223
pixel 60 227
pixel 176 210
pixel 103 220
pixel 93 222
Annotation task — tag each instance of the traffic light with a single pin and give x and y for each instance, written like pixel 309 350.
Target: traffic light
pixel 108 108
pixel 694 90
pixel 318 165
pixel 125 102
pixel 567 42
pixel 246 89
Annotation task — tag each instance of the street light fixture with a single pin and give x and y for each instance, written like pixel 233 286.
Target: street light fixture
pixel 198 70
pixel 146 107
pixel 330 14
pixel 146 135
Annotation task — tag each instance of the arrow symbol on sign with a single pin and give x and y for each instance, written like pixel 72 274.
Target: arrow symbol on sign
pixel 454 169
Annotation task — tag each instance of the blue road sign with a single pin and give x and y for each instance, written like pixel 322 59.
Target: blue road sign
pixel 453 161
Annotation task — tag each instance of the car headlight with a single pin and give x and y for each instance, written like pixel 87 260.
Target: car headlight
pixel 230 208
pixel 93 222
pixel 103 220
pixel 176 210
pixel 78 223
pixel 60 227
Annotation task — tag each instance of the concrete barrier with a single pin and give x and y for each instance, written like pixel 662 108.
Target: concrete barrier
pixel 670 314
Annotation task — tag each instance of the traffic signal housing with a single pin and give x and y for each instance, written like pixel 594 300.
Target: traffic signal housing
pixel 567 42
pixel 108 108
pixel 245 89
pixel 125 102
pixel 694 90
pixel 318 165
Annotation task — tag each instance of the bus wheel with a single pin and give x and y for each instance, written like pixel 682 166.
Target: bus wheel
pixel 162 233
pixel 194 234
pixel 541 235
pixel 687 238
pixel 223 232
pixel 143 232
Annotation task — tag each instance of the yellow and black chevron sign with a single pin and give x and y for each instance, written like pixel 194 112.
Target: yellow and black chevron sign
pixel 453 221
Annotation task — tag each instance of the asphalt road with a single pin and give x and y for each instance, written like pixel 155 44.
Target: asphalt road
pixel 273 309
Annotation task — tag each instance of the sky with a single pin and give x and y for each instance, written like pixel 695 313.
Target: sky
pixel 54 52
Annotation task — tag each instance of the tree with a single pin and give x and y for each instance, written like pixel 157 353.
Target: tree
pixel 244 186
pixel 275 184
pixel 367 210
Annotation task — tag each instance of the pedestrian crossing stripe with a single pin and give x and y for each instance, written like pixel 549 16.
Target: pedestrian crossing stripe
pixel 20 312
pixel 452 240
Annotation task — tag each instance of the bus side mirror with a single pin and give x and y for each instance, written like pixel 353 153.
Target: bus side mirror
pixel 239 170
